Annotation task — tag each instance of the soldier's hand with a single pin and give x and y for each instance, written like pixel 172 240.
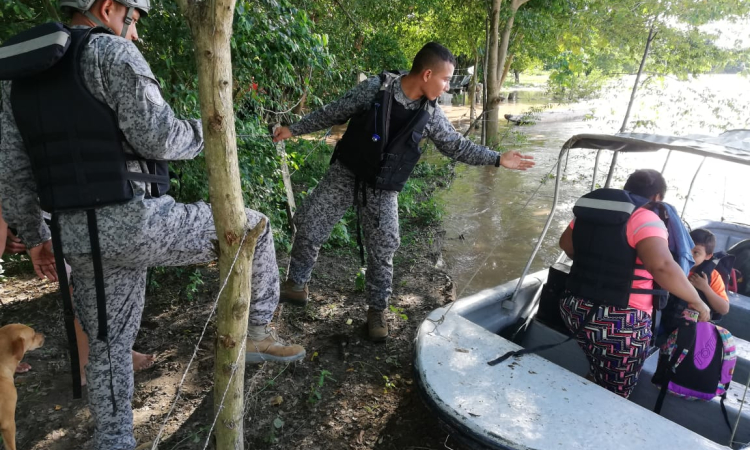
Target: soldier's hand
pixel 281 133
pixel 13 244
pixel 515 160
pixel 44 261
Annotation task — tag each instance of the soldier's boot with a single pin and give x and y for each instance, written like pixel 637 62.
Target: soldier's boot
pixel 264 345
pixel 294 294
pixel 377 324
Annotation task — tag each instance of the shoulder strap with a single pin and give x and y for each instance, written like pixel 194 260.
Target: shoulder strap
pixel 685 341
pixel 33 51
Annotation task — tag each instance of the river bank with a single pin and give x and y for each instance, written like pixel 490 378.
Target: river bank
pixel 348 393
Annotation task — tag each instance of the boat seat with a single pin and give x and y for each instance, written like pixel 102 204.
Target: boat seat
pixel 737 321
pixel 704 418
pixel 727 233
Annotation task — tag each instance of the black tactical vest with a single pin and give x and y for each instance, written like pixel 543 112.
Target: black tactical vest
pixel 604 263
pixel 73 140
pixel 381 145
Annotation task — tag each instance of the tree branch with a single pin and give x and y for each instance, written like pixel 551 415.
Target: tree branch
pixel 354 22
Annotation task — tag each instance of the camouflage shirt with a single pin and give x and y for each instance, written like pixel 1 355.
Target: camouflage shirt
pixel 439 129
pixel 116 73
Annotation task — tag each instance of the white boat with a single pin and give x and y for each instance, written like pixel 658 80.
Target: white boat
pixel 543 401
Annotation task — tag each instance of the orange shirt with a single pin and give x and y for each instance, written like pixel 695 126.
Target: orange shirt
pixel 717 285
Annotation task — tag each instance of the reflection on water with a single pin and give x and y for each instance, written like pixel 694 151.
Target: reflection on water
pixel 493 220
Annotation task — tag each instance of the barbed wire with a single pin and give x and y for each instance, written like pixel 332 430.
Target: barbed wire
pixel 226 389
pixel 197 345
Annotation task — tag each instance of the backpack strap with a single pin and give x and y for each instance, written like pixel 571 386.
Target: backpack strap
pixel 684 342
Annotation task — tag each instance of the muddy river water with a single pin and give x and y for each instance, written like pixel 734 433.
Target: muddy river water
pixel 494 217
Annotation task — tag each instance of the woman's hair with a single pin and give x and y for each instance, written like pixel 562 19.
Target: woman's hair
pixel 646 183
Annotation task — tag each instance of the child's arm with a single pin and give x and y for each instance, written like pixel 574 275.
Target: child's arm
pixel 717 303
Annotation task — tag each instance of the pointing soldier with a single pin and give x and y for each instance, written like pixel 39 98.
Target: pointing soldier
pixel 388 116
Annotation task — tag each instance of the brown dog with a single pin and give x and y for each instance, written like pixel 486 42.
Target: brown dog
pixel 15 340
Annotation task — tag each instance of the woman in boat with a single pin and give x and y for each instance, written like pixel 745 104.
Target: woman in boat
pixel 619 247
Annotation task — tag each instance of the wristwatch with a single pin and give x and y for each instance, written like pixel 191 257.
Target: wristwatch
pixel 497 161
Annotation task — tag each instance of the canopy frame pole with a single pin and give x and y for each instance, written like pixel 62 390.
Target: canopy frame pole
pixel 596 169
pixel 690 191
pixel 664 167
pixel 508 304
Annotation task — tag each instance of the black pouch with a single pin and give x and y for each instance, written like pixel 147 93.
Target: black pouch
pixel 552 291
pixel 33 51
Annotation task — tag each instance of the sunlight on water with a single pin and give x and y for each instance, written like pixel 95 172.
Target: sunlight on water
pixel 492 221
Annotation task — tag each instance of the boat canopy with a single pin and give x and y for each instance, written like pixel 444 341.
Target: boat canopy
pixel 731 146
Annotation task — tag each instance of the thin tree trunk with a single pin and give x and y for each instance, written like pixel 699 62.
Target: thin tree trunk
pixel 498 53
pixel 508 63
pixel 473 89
pixel 211 27
pixel 484 78
pixel 651 37
pixel 493 89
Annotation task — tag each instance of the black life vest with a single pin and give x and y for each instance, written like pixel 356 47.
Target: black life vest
pixel 74 142
pixel 75 147
pixel 604 263
pixel 381 144
pixel 720 262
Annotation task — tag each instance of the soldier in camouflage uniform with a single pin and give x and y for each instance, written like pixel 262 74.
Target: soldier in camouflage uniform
pixel 374 115
pixel 145 232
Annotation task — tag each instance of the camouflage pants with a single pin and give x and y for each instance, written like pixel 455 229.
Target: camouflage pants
pixel 320 212
pixel 180 234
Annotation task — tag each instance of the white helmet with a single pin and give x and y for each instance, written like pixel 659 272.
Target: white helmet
pixel 83 6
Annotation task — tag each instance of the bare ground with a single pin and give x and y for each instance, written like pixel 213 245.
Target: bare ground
pixel 348 393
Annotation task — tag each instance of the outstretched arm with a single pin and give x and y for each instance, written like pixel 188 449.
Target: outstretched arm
pixel 452 144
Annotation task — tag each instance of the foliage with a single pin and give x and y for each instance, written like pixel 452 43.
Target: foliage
pixel 316 394
pixel 398 312
pixel 360 281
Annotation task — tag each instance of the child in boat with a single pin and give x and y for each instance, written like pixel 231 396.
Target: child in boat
pixel 616 340
pixel 713 290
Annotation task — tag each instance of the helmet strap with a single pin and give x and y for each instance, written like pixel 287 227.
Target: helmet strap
pixel 96 20
pixel 127 21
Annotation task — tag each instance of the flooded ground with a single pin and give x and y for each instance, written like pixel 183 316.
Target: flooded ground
pixel 494 217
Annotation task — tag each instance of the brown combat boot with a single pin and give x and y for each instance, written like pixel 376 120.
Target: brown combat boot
pixel 264 345
pixel 377 325
pixel 294 294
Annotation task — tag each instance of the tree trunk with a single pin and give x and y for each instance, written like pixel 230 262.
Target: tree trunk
pixel 649 39
pixel 498 53
pixel 473 89
pixel 491 115
pixel 508 63
pixel 211 27
pixel 485 65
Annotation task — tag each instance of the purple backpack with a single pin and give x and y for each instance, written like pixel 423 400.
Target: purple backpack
pixel 696 363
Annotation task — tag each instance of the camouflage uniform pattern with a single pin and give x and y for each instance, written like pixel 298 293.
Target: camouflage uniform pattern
pixel 133 236
pixel 329 201
pixel 325 206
